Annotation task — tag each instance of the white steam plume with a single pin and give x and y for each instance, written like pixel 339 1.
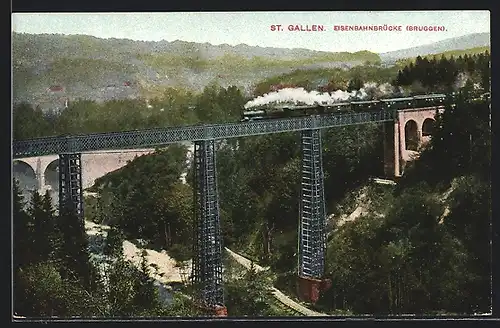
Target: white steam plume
pixel 298 96
pixel 460 81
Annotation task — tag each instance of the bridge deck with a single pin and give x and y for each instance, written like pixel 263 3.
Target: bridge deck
pixel 162 136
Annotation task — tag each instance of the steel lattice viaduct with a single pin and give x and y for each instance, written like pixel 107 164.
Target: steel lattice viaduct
pixel 207 261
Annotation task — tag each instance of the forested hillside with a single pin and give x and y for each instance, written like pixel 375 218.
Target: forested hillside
pixel 448 54
pixel 50 69
pixel 174 108
pixel 446 73
pixel 422 246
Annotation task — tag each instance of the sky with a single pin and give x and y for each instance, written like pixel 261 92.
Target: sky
pixel 254 28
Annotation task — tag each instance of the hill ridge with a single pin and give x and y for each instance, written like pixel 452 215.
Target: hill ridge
pixel 467 41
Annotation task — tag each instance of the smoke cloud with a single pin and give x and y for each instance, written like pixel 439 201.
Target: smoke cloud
pixel 299 96
pixel 460 81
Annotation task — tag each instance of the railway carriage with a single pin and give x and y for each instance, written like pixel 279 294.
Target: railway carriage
pixel 397 103
pixel 429 100
pixel 365 105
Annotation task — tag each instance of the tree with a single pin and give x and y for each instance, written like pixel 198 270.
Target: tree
pixel 39 232
pixel 446 73
pixel 28 122
pixel 355 84
pixel 181 307
pixel 23 225
pixel 207 108
pixel 485 71
pixel 47 239
pixel 469 220
pixel 74 253
pixel 248 295
pixel 48 294
pixel 121 288
pixel 114 243
pixel 146 295
pixel 132 291
pixel 22 247
pixel 404 77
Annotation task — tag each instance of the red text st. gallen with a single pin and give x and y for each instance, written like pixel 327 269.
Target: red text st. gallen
pixel 298 28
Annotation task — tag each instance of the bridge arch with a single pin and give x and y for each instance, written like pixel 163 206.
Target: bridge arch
pixel 428 127
pixel 411 135
pixel 26 177
pixel 51 174
pixel 51 180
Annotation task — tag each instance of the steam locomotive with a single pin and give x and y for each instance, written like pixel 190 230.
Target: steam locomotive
pixel 287 110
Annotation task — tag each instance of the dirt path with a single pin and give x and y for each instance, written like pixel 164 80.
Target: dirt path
pixel 244 261
pixel 167 271
pixel 276 292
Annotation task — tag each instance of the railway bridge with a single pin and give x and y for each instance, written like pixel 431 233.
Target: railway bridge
pixel 41 173
pixel 405 131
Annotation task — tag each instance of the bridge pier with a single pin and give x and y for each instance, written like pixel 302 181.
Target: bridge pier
pixel 70 184
pixel 312 234
pixel 207 244
pixel 392 149
pixel 40 178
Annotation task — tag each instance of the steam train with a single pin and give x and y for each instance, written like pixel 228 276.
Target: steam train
pixel 287 110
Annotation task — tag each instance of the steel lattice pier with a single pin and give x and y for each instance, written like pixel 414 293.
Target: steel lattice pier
pixel 312 243
pixel 207 244
pixel 70 183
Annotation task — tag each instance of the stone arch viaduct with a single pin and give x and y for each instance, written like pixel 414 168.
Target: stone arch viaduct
pixel 405 136
pixel 41 173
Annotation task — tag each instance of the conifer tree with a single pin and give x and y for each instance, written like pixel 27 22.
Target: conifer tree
pixel 114 243
pixel 146 294
pixel 45 238
pixel 355 84
pixel 22 229
pixel 54 238
pixel 37 214
pixel 22 249
pixel 74 253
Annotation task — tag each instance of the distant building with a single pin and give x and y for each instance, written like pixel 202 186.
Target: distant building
pixel 55 88
pixel 276 87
